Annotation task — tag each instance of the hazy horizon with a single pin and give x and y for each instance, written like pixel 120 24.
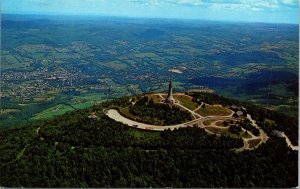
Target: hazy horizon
pixel 93 17
pixel 268 11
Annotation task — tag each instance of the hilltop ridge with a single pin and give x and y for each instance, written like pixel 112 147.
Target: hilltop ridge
pixel 81 150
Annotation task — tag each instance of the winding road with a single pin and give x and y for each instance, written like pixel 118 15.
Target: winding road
pixel 199 122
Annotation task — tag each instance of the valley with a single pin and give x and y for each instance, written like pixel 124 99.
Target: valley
pixel 86 61
pixel 149 94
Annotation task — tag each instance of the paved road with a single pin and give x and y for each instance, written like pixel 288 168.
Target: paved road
pixel 114 114
pixel 289 142
pixel 198 120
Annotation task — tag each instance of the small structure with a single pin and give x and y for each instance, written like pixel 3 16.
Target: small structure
pixel 239 111
pixel 277 134
pixel 234 108
pixel 170 98
pixel 238 114
pixel 92 116
pixel 244 110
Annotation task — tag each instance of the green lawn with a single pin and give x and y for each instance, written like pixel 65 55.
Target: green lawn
pixel 186 101
pixel 213 110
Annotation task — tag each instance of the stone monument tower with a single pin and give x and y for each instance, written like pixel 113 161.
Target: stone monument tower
pixel 170 98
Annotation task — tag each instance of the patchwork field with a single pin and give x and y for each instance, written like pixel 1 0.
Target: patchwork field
pixel 61 109
pixel 95 57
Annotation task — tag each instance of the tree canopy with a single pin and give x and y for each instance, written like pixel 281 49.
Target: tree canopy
pixel 73 150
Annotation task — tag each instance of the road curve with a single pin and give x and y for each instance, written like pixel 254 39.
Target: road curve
pixel 114 114
pixel 288 142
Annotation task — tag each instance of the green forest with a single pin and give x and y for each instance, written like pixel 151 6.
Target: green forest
pixel 73 150
pixel 150 112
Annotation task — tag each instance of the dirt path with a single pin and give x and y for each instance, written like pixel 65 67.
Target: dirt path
pixel 262 134
pixel 199 107
pixel 194 114
pixel 191 111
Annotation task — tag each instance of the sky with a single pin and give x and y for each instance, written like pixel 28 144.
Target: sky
pixel 270 11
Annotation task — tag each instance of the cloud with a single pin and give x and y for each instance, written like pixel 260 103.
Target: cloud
pixel 187 2
pixel 167 2
pixel 211 9
pixel 253 5
pixel 289 2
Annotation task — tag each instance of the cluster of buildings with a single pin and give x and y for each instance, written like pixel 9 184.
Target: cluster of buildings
pixel 40 74
pixel 239 111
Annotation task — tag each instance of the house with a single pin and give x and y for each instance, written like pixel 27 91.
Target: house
pixel 234 108
pixel 238 114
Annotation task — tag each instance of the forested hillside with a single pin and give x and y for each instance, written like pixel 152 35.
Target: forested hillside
pixel 73 150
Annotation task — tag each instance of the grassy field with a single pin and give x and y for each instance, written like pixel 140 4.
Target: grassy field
pixel 219 123
pixel 213 110
pixel 225 131
pixel 207 122
pixel 116 65
pixel 186 101
pixel 88 98
pixel 42 98
pixel 60 109
pixel 147 55
pixel 222 131
pixel 253 142
pixel 9 61
pixel 122 90
pixel 7 111
pixel 155 98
